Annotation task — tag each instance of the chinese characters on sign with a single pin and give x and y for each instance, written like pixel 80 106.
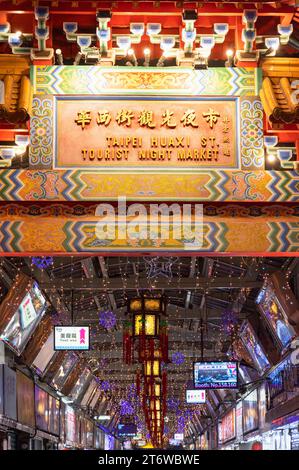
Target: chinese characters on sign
pixel 145 118
pixel 130 132
pixel 71 338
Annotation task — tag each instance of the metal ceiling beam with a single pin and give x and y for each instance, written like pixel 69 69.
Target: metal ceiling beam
pixel 174 312
pixel 104 271
pixel 90 273
pixel 133 283
pixel 115 349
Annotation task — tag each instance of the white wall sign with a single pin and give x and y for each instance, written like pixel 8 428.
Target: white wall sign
pixel 196 397
pixel 71 338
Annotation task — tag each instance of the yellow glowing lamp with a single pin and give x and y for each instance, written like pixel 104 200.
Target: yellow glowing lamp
pixel 155 405
pixel 148 323
pixel 154 389
pixel 152 368
pixel 148 445
pixel 153 305
pixel 135 305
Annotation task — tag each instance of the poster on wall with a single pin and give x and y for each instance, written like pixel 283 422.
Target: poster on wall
pixel 41 409
pixel 250 412
pixel 54 409
pixel 274 314
pixel 228 426
pixel 25 400
pixel 71 338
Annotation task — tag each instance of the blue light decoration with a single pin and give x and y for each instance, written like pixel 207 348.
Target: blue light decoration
pixel 173 404
pixel 107 319
pixel 105 385
pixel 183 417
pixel 126 408
pixel 229 321
pixel 178 358
pixel 132 392
pixel 111 441
pixel 181 424
pixel 42 262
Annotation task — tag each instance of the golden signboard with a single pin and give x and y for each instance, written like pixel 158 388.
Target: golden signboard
pixel 123 133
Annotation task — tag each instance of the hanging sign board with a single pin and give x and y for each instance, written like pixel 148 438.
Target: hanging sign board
pixel 71 338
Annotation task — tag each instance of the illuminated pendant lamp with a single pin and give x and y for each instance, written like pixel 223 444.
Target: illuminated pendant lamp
pixel 145 341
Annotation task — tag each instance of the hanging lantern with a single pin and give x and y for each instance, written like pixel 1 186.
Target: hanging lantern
pixel 146 340
pixel 152 368
pixel 147 324
pixel 146 329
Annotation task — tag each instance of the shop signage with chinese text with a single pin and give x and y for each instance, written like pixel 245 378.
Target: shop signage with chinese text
pixel 110 132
